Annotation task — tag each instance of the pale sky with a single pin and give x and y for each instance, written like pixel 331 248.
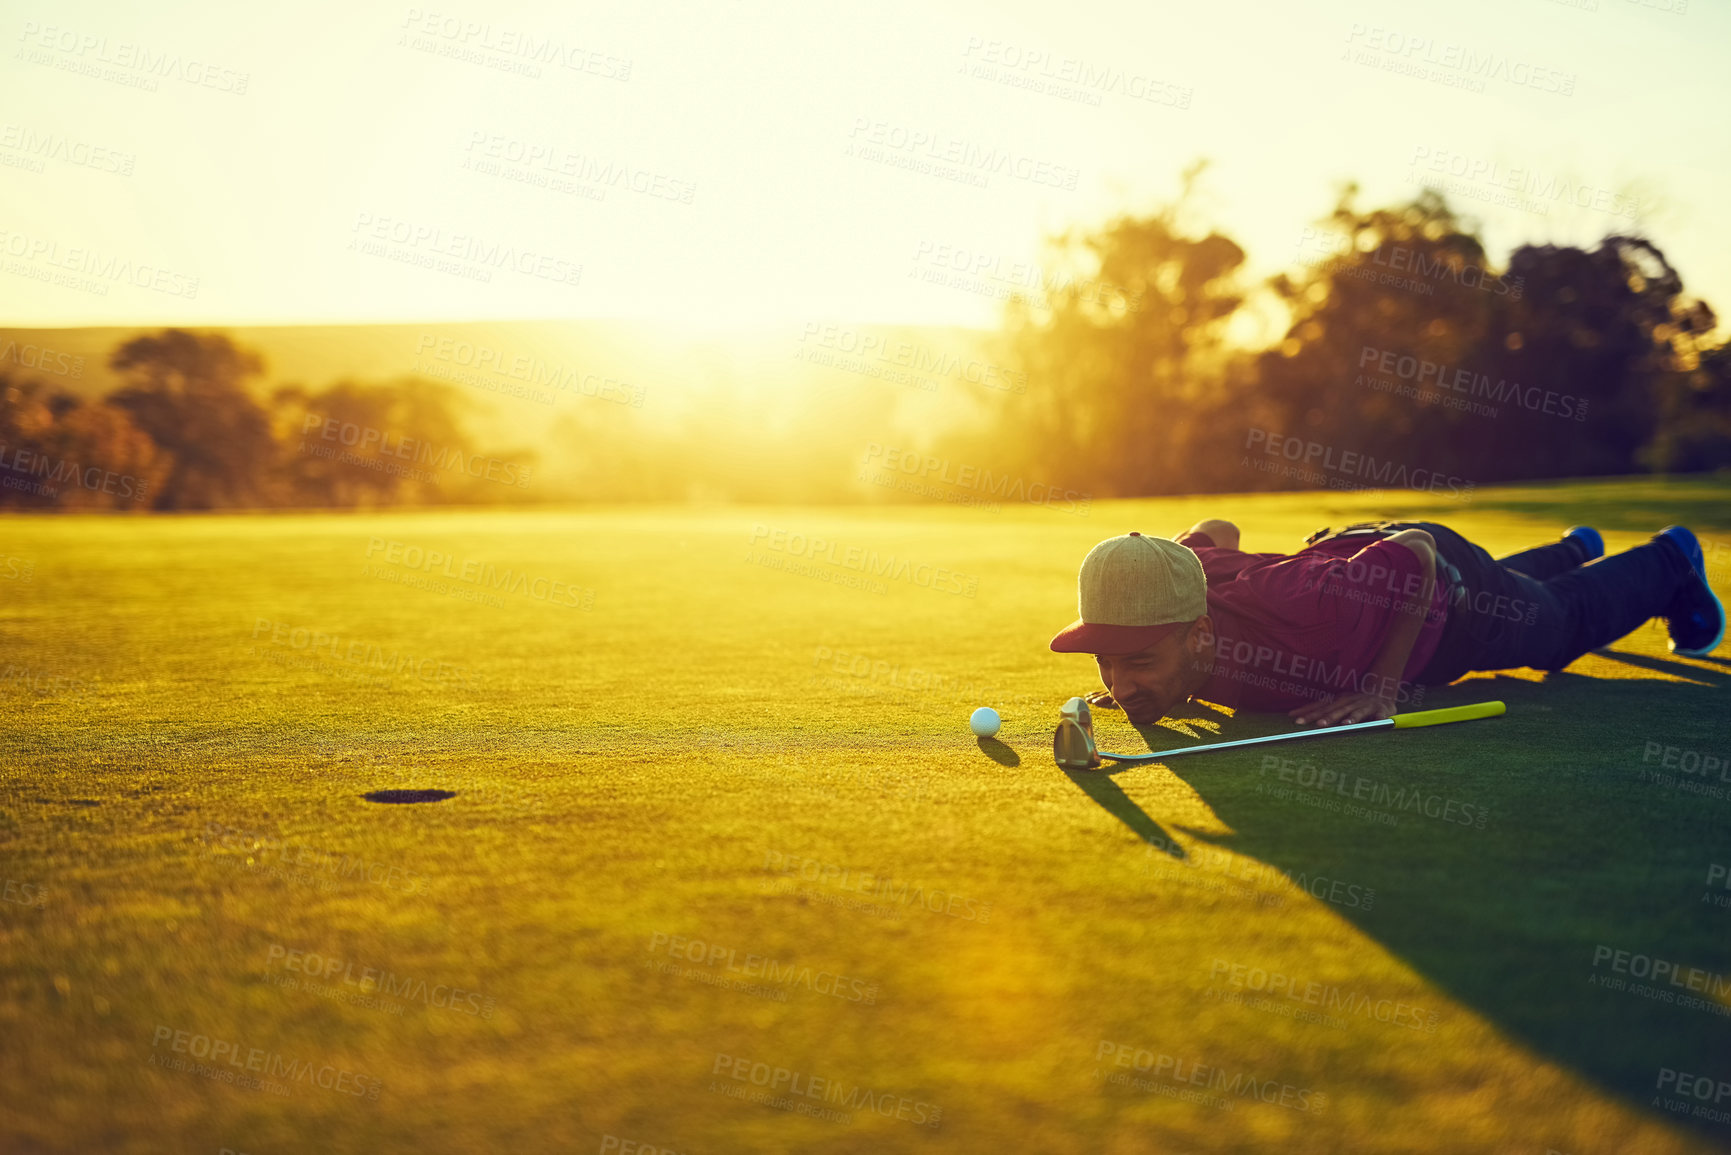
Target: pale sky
pixel 366 161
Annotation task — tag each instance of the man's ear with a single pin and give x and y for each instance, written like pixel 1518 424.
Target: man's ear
pixel 1200 635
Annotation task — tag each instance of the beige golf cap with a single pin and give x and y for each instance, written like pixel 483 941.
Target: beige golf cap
pixel 1133 591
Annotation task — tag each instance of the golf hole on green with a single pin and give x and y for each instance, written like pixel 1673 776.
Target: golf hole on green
pixel 403 797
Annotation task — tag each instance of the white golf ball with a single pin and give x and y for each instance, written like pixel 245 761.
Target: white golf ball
pixel 984 722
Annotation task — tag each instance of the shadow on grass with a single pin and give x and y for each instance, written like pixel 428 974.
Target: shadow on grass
pixel 1674 667
pixel 1000 753
pixel 1594 841
pixel 1098 785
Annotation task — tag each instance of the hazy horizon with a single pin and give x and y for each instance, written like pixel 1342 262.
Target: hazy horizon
pixel 777 152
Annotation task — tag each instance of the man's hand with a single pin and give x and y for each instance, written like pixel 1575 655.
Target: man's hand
pixel 1222 533
pixel 1345 709
pixel 1385 672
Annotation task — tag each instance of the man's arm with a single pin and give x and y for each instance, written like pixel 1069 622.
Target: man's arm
pixel 1222 533
pixel 1384 675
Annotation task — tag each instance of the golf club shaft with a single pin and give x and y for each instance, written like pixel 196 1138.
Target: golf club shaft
pixel 1380 724
pixel 1398 722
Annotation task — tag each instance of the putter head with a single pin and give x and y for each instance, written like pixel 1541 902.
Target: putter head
pixel 1073 743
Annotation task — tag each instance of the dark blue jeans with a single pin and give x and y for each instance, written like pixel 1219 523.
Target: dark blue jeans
pixel 1539 608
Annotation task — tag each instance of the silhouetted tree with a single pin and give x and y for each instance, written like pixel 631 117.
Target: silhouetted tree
pixel 1694 430
pixel 1125 363
pixel 1408 344
pixel 189 393
pixel 1399 301
pixel 356 444
pixel 1611 326
pixel 58 451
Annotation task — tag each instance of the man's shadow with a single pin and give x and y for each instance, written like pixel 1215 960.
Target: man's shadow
pixel 1537 867
pixel 1098 785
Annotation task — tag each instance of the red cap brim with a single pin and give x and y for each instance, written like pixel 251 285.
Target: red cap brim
pixel 1081 637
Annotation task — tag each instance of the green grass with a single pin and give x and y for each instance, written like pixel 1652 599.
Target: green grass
pixel 643 766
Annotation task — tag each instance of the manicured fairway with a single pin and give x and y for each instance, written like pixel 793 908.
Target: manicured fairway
pixel 723 869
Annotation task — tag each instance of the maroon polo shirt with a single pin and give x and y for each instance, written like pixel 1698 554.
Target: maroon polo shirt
pixel 1292 628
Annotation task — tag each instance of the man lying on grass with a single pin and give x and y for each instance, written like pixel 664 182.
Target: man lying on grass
pixel 1349 627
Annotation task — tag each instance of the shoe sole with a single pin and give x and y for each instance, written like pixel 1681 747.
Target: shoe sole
pixel 1706 650
pixel 1700 572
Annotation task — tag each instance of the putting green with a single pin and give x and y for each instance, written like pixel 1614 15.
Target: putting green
pixel 722 868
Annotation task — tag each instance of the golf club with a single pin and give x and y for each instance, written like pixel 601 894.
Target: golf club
pixel 1073 744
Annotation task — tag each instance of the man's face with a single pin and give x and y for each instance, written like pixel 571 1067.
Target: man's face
pixel 1151 683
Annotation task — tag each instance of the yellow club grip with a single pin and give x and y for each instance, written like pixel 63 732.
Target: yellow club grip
pixel 1451 714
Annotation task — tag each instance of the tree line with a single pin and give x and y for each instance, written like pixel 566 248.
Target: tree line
pixel 1405 359
pixel 189 429
pixel 1401 357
